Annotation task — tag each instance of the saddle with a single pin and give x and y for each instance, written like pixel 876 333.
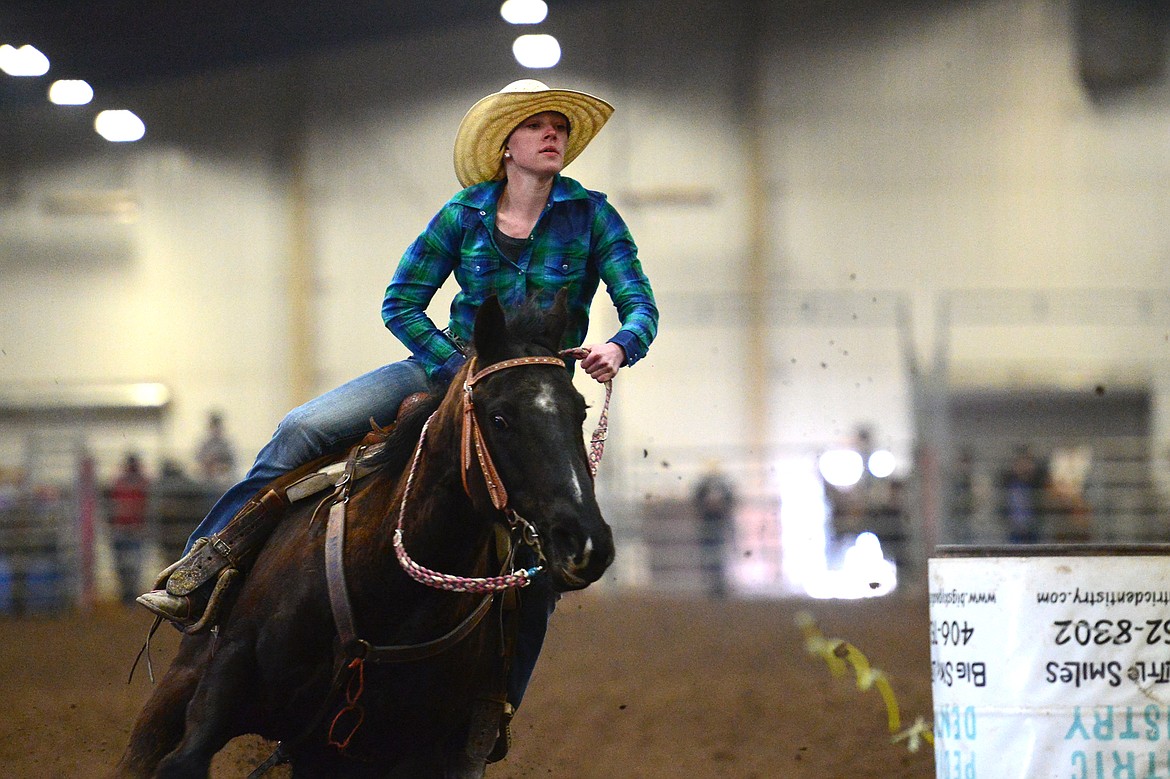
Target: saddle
pixel 226 555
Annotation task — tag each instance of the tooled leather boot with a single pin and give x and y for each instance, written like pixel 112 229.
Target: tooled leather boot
pixel 183 610
pixel 190 592
pixel 196 610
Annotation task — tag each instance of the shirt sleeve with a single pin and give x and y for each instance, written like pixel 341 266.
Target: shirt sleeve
pixel 422 270
pixel 625 282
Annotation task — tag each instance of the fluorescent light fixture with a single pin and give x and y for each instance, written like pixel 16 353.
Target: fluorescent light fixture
pixel 25 61
pixel 119 126
pixel 524 11
pixel 149 395
pixel 537 51
pixel 70 92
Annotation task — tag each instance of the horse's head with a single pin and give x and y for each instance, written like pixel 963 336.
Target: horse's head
pixel 531 418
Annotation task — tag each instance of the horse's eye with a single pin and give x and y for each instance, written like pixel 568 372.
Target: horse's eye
pixel 499 423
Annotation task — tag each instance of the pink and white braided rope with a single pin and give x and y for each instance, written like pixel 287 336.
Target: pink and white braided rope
pixel 484 584
pixel 446 581
pixel 597 441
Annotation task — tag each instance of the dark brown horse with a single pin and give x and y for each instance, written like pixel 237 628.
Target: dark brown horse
pixel 276 666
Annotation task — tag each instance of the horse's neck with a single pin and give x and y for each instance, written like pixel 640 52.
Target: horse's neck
pixel 440 522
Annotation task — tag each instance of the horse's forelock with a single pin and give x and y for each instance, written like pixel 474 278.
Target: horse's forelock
pixel 529 324
pixel 526 324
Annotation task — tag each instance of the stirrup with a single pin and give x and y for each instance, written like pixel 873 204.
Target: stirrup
pixel 211 610
pixel 483 729
pixel 504 738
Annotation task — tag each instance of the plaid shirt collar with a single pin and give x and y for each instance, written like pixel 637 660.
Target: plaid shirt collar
pixel 485 196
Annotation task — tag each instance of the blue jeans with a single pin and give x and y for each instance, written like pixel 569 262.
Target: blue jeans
pixel 316 428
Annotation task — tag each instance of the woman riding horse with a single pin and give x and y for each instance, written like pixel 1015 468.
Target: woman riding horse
pixel 519 231
pixel 374 633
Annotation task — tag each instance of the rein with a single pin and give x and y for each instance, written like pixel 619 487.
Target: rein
pixel 601 432
pixel 444 581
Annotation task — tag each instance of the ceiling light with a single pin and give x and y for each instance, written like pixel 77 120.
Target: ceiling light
pixel 70 92
pixel 119 126
pixel 524 11
pixel 537 51
pixel 25 61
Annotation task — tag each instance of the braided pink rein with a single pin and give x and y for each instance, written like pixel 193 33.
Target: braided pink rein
pixel 597 441
pixel 484 584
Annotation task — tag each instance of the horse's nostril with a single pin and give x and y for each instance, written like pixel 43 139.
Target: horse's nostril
pixel 582 559
pixel 583 555
pixel 576 552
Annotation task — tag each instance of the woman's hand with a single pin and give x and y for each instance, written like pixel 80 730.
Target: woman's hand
pixel 603 361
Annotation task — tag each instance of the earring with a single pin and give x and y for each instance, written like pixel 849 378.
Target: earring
pixel 507 155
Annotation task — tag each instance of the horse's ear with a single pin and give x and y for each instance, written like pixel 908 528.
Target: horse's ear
pixel 557 319
pixel 491 330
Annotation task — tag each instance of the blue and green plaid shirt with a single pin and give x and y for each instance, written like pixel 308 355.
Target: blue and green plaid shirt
pixel 578 241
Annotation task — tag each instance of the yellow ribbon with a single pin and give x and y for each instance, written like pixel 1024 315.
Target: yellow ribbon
pixel 839 655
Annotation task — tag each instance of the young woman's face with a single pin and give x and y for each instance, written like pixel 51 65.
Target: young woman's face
pixel 538 143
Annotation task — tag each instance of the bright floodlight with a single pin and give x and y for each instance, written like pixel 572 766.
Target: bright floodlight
pixel 882 463
pixel 119 126
pixel 70 92
pixel 537 51
pixel 864 573
pixel 524 11
pixel 841 467
pixel 25 61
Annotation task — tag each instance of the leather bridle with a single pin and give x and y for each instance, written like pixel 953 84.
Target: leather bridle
pixel 473 434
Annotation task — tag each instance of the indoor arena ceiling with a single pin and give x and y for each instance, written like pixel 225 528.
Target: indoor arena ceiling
pixel 114 43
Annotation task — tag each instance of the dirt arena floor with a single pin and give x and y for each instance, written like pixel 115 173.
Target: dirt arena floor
pixel 628 686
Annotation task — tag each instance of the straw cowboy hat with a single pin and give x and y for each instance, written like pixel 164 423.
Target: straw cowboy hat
pixel 479 143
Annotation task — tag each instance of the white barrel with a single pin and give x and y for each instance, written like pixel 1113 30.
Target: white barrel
pixel 1051 662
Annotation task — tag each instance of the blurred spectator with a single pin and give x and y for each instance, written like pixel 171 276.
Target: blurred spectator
pixel 216 456
pixel 1070 511
pixel 850 495
pixel 1023 491
pixel 714 501
pixel 177 502
pixel 127 520
pixel 886 518
pixel 962 498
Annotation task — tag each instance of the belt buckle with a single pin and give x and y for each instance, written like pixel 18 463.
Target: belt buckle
pixel 459 343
